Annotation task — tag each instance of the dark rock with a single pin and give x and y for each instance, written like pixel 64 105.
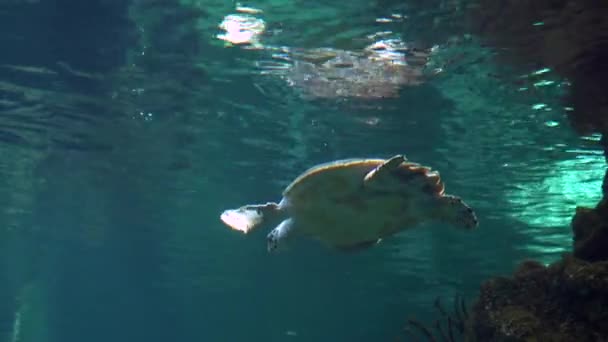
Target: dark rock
pixel 590 228
pixel 529 267
pixel 605 182
pixel 563 302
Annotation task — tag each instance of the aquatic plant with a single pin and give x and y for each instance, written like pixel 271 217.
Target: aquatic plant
pixel 449 327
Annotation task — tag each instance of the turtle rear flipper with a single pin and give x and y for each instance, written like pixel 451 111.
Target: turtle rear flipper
pixel 249 217
pixel 453 210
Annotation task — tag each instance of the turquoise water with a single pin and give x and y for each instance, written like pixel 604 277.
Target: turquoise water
pixel 126 129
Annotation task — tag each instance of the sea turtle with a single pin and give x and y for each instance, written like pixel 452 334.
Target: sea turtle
pixel 352 204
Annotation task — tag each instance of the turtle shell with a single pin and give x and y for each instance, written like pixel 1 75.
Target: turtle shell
pixel 344 176
pixel 331 202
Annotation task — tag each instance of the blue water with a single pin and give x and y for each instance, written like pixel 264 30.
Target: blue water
pixel 126 128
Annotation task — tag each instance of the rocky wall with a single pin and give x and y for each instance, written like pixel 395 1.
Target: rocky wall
pixel 567 300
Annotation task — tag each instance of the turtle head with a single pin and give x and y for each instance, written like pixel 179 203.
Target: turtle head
pixel 453 210
pixel 248 217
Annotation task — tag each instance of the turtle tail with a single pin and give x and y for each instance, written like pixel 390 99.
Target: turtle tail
pixel 456 212
pixel 249 217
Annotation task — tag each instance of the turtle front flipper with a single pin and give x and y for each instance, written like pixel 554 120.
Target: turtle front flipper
pixel 249 217
pixel 279 235
pixel 383 170
pixel 453 210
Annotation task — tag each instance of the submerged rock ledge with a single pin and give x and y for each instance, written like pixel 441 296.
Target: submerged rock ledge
pixel 565 301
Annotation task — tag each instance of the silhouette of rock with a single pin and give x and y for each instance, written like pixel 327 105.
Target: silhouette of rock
pixel 565 301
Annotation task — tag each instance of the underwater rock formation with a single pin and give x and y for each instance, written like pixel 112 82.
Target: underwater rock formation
pixel 591 232
pixel 565 301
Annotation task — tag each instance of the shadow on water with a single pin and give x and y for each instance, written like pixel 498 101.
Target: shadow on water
pixel 127 127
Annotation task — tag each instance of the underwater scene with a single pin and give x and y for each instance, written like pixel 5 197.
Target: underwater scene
pixel 303 170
